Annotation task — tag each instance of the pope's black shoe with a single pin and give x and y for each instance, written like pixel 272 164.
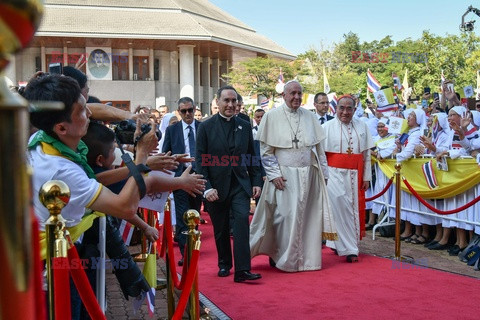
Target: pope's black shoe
pixel 223 272
pixel 241 276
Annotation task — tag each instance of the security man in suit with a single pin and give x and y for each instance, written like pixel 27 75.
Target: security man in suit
pixel 225 157
pixel 180 139
pixel 320 101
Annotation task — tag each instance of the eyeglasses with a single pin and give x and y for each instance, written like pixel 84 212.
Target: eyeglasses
pixel 184 111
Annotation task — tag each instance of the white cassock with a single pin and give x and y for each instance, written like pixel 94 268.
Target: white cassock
pixel 289 225
pixel 348 154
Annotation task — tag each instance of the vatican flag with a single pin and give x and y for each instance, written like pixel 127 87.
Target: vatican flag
pixel 397 125
pixel 385 100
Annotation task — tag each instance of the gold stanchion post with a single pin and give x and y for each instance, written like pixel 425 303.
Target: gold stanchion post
pixel 142 256
pixel 54 195
pixel 192 219
pixel 398 203
pixel 398 206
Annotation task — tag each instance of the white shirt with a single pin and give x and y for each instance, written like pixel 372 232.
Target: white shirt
pixel 83 190
pixel 186 130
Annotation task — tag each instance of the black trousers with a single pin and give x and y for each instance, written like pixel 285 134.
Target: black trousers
pixel 237 202
pixel 184 202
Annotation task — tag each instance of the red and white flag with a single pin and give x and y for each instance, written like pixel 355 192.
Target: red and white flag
pixel 126 230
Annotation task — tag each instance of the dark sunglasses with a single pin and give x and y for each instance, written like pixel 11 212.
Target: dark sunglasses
pixel 186 110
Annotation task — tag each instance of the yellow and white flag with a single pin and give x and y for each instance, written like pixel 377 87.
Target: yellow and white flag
pixel 477 91
pixel 326 86
pixel 385 100
pixel 397 125
pixel 406 91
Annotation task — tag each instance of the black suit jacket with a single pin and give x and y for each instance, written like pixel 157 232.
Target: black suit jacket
pixel 215 162
pixel 329 117
pixel 175 142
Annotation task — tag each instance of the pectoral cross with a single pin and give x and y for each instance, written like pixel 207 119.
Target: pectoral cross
pixel 296 141
pixel 349 150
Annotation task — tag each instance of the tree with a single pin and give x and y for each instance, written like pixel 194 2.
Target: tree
pixel 259 75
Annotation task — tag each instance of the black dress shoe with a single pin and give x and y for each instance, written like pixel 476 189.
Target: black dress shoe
pixel 453 251
pixel 180 262
pixel 223 272
pixel 438 246
pixel 272 262
pixel 241 276
pixel 431 243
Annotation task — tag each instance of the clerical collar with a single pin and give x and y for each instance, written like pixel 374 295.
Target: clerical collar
pixel 224 117
pixel 291 110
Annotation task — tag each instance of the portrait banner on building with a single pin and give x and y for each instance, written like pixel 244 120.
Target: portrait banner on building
pixel 99 63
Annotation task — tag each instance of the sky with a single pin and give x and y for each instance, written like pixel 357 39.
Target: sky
pixel 302 24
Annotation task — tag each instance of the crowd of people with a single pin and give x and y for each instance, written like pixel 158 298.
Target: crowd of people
pixel 308 172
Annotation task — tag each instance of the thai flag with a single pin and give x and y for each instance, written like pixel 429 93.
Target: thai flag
pixel 151 302
pixel 372 84
pixel 332 105
pixel 264 103
pixel 396 82
pixel 429 174
pixel 126 230
pixel 472 132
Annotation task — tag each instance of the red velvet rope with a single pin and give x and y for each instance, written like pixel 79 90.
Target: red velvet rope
pixel 429 206
pixel 40 305
pixel 182 302
pixel 83 286
pixel 389 183
pixel 61 288
pixel 171 255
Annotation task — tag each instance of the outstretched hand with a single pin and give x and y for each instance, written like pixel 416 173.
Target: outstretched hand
pixel 192 183
pixel 163 162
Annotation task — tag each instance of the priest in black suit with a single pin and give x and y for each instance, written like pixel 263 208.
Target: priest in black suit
pixel 226 159
pixel 180 139
pixel 320 101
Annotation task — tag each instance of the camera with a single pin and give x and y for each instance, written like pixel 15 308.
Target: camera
pixel 55 68
pixel 125 130
pixel 467 26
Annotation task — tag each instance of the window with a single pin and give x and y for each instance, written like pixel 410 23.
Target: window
pixel 140 68
pixel 120 66
pixel 201 73
pixel 72 59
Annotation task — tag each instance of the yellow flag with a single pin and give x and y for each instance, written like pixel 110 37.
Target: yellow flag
pixel 150 270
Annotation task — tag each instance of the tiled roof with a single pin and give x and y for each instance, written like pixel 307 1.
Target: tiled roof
pixel 153 19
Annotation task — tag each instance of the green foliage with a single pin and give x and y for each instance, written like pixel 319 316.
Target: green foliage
pixel 457 56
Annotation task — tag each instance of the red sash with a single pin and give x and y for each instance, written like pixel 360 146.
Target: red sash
pixel 352 161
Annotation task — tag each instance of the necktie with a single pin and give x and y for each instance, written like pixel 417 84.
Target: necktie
pixel 191 144
pixel 322 120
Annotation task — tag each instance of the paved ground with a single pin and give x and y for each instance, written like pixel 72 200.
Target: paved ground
pixel 119 309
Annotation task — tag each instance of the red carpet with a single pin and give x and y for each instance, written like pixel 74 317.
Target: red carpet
pixel 370 289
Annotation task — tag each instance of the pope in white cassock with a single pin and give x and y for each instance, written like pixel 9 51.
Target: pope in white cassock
pixel 293 213
pixel 347 148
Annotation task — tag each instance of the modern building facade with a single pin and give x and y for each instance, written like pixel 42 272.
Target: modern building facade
pixel 143 52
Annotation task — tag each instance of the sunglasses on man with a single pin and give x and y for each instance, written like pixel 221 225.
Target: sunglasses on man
pixel 190 110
